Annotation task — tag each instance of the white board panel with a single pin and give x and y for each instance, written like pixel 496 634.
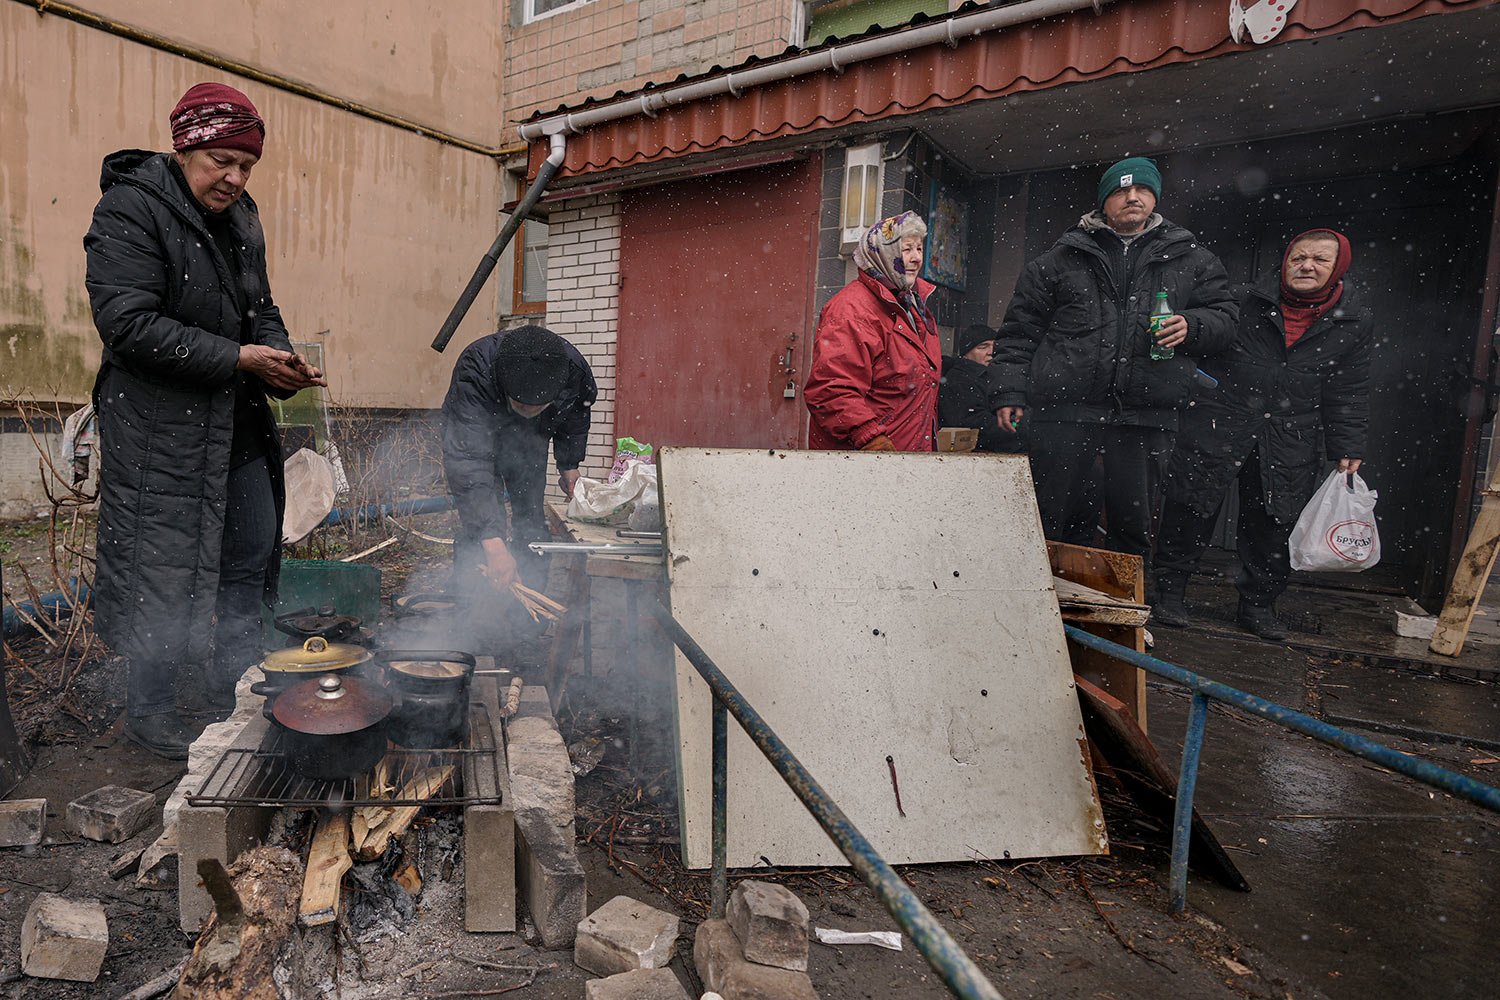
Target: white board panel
pixel 873 606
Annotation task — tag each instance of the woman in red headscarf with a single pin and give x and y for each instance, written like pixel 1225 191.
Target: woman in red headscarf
pixel 190 491
pixel 1299 373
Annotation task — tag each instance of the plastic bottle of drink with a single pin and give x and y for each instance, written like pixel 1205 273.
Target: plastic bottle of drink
pixel 1160 313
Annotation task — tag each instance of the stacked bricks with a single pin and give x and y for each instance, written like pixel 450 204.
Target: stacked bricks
pixel 597 48
pixel 583 305
pixel 759 949
pixel 549 875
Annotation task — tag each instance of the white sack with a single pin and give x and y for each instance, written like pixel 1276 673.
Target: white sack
pixel 1336 532
pixel 596 502
pixel 309 494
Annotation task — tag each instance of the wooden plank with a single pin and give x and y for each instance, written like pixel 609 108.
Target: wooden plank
pixel 1084 605
pixel 1118 575
pixel 1472 575
pixel 327 861
pixel 880 611
pixel 1133 761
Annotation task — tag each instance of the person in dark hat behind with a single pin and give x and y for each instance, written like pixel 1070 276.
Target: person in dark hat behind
pixel 512 393
pixel 966 396
pixel 1075 356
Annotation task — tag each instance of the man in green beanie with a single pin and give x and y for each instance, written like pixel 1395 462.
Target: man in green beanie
pixel 1074 356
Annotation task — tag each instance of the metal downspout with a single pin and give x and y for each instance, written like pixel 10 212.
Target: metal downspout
pixel 487 263
pixel 836 58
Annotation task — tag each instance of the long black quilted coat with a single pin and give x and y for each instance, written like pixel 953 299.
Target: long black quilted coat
pixel 171 325
pixel 1282 399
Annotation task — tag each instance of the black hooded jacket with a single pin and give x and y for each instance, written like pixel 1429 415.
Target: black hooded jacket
pixel 477 419
pixel 1281 399
pixel 1074 345
pixel 172 313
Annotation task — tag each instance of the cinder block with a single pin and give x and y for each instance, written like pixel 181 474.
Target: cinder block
pixel 490 834
pixel 723 968
pixel 770 923
pixel 216 832
pixel 638 984
pixel 551 881
pixel 625 934
pixel 111 814
pixel 64 938
pixel 22 822
pixel 548 873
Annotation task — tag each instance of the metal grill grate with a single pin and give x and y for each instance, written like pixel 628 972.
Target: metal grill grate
pixel 261 777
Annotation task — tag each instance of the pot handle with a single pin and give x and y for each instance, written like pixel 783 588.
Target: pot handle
pixel 445 655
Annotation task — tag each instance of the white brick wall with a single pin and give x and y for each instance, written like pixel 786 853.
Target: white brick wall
pixel 583 305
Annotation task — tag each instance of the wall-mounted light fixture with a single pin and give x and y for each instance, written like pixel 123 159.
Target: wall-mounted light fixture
pixel 863 172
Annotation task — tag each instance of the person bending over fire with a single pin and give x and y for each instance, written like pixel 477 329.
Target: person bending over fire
pixel 512 392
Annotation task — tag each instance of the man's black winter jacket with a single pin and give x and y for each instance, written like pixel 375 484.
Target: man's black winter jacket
pixel 1074 345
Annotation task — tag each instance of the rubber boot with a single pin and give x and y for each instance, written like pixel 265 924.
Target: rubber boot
pixel 1169 610
pixel 164 734
pixel 1260 621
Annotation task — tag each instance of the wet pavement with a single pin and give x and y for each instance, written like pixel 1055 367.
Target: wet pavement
pixel 1366 883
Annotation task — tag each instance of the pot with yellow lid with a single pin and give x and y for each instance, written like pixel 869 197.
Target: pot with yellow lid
pixel 314 658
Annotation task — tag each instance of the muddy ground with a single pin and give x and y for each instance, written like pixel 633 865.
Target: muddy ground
pixel 1365 885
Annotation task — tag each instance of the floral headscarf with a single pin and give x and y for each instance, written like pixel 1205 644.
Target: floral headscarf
pixel 878 254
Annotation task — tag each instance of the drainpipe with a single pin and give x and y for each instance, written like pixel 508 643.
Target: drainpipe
pixel 949 31
pixel 487 264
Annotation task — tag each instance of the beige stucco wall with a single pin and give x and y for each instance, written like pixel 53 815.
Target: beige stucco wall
pixel 372 231
pixel 436 63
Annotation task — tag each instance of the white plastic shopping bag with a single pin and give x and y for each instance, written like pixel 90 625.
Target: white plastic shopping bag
pixel 1336 532
pixel 597 502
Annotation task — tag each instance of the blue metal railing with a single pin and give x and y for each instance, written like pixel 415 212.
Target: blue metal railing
pixel 1204 690
pixel 947 959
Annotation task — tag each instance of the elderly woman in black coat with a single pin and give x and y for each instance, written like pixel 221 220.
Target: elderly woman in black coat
pixel 1299 371
pixel 191 498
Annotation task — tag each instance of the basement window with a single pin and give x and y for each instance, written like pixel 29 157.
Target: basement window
pixel 535 10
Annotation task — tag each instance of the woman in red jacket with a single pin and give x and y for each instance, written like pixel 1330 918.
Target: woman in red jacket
pixel 876 357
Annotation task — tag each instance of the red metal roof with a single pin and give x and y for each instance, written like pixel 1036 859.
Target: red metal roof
pixel 1125 38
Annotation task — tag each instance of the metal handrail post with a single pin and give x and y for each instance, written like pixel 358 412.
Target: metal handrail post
pixel 962 977
pixel 1465 787
pixel 719 884
pixel 1187 782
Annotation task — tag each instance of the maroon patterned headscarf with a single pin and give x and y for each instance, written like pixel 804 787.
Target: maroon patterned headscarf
pixel 216 116
pixel 1299 311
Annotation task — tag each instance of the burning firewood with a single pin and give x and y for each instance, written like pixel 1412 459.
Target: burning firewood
pixel 395 820
pixel 327 861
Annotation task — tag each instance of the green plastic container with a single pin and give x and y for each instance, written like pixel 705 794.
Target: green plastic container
pixel 352 589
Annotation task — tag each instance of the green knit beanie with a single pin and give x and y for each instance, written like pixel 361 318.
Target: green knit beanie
pixel 1134 170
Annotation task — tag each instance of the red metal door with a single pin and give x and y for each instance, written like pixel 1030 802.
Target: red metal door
pixel 716 291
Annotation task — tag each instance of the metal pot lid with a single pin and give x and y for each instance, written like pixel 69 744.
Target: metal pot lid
pixel 331 705
pixel 317 653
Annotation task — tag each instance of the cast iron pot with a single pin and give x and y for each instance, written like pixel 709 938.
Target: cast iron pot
pixel 333 726
pixel 430 688
pixel 316 657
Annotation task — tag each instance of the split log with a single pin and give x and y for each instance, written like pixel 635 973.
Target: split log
pixel 423 786
pixel 255 914
pixel 327 861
